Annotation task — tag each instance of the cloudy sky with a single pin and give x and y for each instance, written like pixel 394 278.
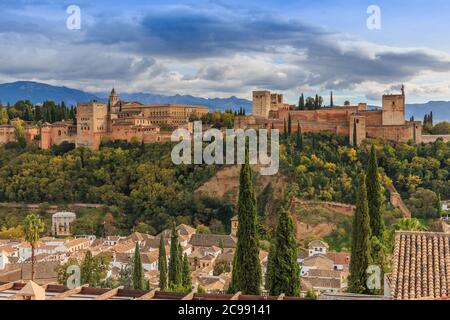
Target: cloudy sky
pixel 220 48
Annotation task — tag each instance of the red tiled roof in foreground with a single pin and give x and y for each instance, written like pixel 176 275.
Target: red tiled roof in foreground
pixel 421 265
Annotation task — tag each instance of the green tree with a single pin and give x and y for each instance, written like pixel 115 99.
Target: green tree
pixel 94 269
pixel 174 262
pixel 187 279
pixel 301 102
pixel 299 137
pixel 19 133
pixel 289 125
pixel 285 274
pixel 247 268
pixel 3 116
pixel 162 264
pixel 408 224
pixel 125 277
pixel 361 234
pixel 374 195
pixel 138 270
pixel 87 269
pixel 33 228
pixel 331 99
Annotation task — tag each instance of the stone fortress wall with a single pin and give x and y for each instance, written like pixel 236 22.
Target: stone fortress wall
pixel 388 123
pixel 115 120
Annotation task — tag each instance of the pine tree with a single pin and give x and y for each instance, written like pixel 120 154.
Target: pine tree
pixel 187 279
pixel 361 256
pixel 138 270
pixel 247 268
pixel 174 262
pixel 285 272
pixel 374 196
pixel 331 99
pixel 162 264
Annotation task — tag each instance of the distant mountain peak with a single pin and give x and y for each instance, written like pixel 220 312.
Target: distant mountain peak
pixel 39 92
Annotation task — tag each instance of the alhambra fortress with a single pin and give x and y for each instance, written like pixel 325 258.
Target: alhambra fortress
pixel 145 123
pixel 269 111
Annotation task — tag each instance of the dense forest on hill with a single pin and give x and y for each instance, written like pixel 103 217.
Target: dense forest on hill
pixel 144 190
pixel 324 167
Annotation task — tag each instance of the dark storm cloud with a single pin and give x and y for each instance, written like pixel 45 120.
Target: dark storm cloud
pixel 125 46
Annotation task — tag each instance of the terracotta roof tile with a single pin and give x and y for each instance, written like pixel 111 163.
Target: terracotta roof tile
pixel 421 266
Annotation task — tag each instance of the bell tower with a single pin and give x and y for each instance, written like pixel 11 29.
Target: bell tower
pixel 113 100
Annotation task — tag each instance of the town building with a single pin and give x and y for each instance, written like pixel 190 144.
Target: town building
pixel 61 222
pixel 322 270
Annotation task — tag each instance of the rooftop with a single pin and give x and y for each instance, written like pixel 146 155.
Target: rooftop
pixel 421 265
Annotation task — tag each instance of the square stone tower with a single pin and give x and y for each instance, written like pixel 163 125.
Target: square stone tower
pixel 394 109
pixel 91 123
pixel 357 122
pixel 261 103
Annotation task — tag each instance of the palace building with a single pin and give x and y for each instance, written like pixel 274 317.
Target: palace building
pixel 269 111
pixel 114 120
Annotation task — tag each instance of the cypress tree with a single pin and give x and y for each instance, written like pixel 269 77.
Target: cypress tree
pixel 285 272
pixel 87 269
pixel 302 102
pixel 138 270
pixel 374 196
pixel 331 99
pixel 180 263
pixel 162 264
pixel 316 102
pixel 284 130
pixel 289 125
pixel 354 133
pixel 174 262
pixel 247 268
pixel 361 234
pixel 299 137
pixel 187 279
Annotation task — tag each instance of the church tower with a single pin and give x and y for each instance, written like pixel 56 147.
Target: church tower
pixel 113 100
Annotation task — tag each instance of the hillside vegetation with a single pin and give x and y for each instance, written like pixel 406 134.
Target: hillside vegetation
pixel 144 190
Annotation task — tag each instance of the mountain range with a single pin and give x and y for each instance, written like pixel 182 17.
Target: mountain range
pixel 38 92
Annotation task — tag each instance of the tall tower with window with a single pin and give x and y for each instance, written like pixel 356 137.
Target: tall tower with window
pixel 113 100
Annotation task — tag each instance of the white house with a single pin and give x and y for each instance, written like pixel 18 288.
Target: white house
pixel 317 247
pixel 3 260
